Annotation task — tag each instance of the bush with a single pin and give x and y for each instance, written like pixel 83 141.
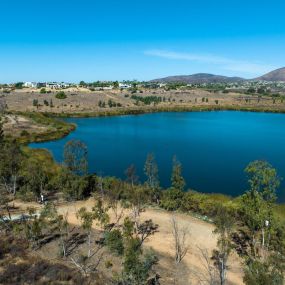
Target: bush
pixel 114 242
pixel 60 95
pixel 24 133
pixel 172 199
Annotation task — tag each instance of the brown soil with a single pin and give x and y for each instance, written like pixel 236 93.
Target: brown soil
pixel 85 101
pixel 201 237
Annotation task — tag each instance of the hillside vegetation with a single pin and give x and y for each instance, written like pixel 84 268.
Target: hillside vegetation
pixel 108 240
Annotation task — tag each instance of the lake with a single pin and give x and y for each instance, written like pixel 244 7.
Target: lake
pixel 213 147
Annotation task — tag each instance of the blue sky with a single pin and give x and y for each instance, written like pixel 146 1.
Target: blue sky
pixel 72 40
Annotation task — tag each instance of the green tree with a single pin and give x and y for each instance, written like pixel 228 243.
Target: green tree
pixel 60 95
pixel 177 180
pixel 151 172
pixel 116 84
pixel 19 85
pixel 258 202
pixel 114 242
pixel 10 162
pixel 73 186
pixel 137 265
pixel 35 177
pixel 75 157
pixel 270 271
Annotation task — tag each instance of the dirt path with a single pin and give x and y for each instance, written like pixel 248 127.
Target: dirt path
pixel 201 236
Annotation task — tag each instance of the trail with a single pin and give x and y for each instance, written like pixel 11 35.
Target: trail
pixel 201 237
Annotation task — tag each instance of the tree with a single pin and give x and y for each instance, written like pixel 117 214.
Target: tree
pixel 116 84
pixel 87 218
pixel 172 199
pixel 43 91
pixel 137 196
pixel 151 172
pixel 258 201
pixel 114 241
pixel 73 186
pixel 63 228
pixel 10 161
pixel 180 235
pixel 224 227
pixel 137 265
pixel 60 95
pixel 131 175
pixel 5 214
pixel 266 272
pixel 36 178
pixel 19 85
pixel 75 157
pixel 113 188
pixel 177 179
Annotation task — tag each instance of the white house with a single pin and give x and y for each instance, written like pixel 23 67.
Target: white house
pixel 56 85
pixel 124 86
pixel 30 84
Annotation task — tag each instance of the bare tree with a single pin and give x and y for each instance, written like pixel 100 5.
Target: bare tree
pixel 63 228
pixel 224 228
pixel 180 235
pixel 208 275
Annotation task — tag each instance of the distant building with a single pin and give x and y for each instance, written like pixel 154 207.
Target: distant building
pixel 56 85
pixel 41 84
pixel 30 84
pixel 124 86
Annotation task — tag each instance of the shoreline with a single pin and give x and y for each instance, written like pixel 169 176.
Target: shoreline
pixel 148 110
pixel 63 129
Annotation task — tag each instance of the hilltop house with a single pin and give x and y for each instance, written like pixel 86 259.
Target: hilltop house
pixel 30 84
pixel 56 85
pixel 124 86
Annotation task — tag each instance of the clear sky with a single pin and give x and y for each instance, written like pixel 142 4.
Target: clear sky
pixel 72 40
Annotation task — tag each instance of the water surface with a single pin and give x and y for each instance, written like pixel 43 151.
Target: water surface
pixel 213 147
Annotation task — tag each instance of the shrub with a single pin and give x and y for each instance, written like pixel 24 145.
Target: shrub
pixel 172 199
pixel 24 133
pixel 60 95
pixel 114 242
pixel 35 102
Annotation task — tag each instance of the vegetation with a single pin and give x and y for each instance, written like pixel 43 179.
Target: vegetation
pixel 250 225
pixel 54 128
pixel 148 100
pixel 60 95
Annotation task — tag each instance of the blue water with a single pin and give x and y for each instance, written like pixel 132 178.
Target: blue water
pixel 213 147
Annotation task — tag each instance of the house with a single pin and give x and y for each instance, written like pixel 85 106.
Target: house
pixel 30 84
pixel 56 85
pixel 124 86
pixel 53 85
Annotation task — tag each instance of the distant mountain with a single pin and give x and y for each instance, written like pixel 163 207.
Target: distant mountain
pixel 275 75
pixel 198 78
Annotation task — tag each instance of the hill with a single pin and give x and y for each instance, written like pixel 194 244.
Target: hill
pixel 275 75
pixel 198 78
